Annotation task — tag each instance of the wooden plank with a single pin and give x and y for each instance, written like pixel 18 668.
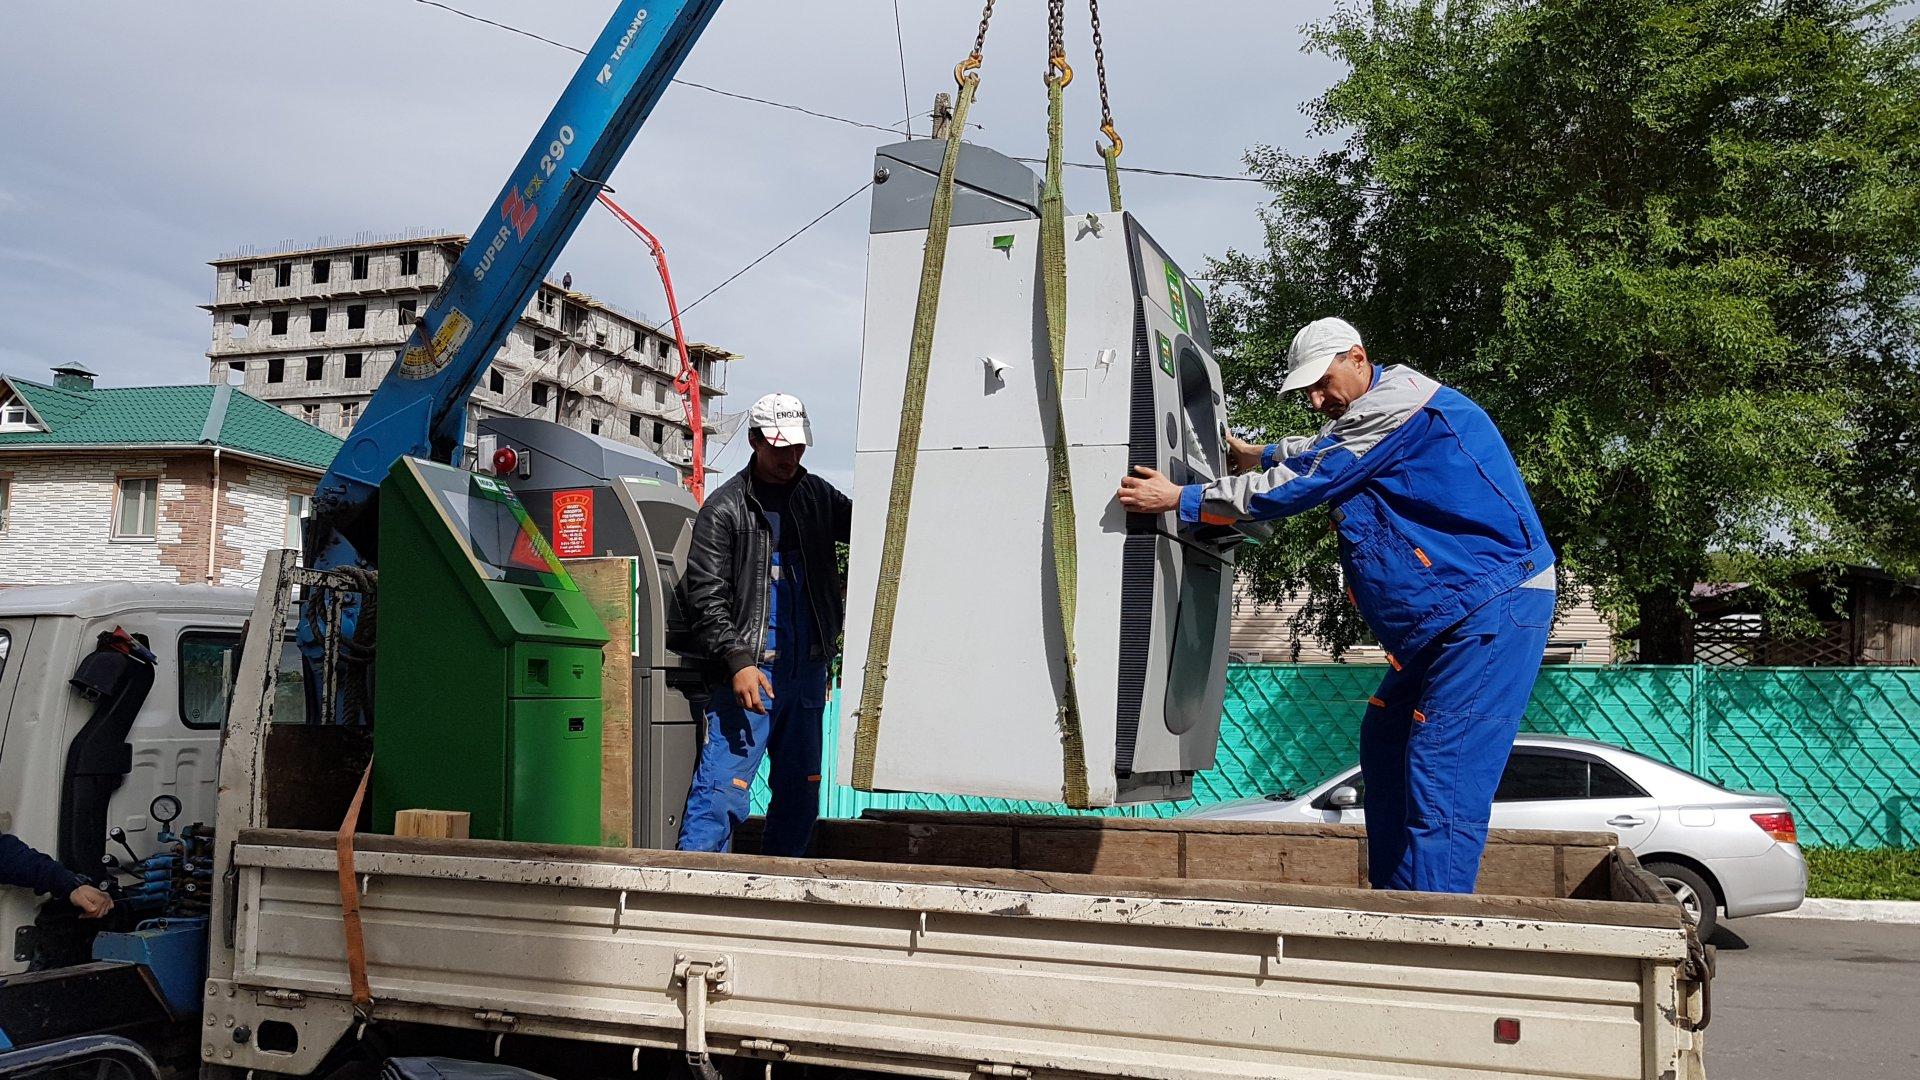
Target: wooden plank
pixel 435 824
pixel 608 586
pixel 1117 854
pixel 1286 859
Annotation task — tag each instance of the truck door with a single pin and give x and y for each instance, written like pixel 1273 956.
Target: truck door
pixel 176 737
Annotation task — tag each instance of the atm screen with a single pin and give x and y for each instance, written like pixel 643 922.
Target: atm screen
pixel 496 529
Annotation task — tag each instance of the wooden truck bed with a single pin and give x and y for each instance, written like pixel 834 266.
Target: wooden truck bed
pixel 959 946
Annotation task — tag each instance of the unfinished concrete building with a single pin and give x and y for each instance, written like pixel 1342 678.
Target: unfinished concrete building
pixel 313 330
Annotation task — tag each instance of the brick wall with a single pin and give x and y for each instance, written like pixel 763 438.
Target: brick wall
pixel 59 524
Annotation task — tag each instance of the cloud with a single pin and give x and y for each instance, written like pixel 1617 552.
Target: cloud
pixel 164 135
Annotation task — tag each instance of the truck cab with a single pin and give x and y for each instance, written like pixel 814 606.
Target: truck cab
pixel 173 740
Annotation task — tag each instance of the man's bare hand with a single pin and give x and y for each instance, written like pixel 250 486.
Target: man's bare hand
pixel 1243 456
pixel 749 683
pixel 91 901
pixel 1148 492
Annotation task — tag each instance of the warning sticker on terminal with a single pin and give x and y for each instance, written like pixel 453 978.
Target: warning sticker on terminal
pixel 420 361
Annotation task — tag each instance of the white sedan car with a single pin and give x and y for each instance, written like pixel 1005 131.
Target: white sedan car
pixel 1716 849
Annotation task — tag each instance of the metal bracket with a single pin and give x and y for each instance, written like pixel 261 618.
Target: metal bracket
pixel 701 979
pixel 994 1068
pixel 283 999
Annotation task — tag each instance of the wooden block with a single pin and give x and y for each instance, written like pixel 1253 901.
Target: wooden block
pixel 1293 860
pixel 608 585
pixel 433 824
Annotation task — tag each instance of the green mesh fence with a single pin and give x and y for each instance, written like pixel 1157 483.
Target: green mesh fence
pixel 1841 744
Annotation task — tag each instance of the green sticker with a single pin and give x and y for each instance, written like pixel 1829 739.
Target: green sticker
pixel 1166 351
pixel 1003 243
pixel 1176 296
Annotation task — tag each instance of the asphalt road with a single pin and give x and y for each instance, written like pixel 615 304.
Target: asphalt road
pixel 1800 999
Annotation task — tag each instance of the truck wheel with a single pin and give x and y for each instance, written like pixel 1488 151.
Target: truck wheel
pixel 1693 892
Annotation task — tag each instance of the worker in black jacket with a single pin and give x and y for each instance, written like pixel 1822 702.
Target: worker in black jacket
pixel 763 593
pixel 26 868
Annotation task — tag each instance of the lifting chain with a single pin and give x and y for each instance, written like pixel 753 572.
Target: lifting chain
pixel 972 63
pixel 1109 153
pixel 1057 66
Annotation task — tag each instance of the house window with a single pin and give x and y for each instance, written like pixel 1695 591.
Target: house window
pixel 355 365
pixel 299 509
pixel 496 382
pixel 636 383
pixel 409 311
pixel 6 492
pixel 236 372
pixel 545 302
pixel 409 263
pixel 663 348
pixel 316 368
pixel 539 393
pixel 349 413
pixel 14 415
pixel 207 667
pixel 283 274
pixel 276 369
pixel 279 322
pixel 359 268
pixel 239 325
pixel 356 316
pixel 541 346
pixel 633 425
pixel 316 319
pixel 659 433
pixel 137 513
pixel 660 393
pixel 322 271
pixel 243 277
pixel 593 427
pixel 310 412
pixel 596 382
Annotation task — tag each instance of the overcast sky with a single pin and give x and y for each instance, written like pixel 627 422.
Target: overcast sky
pixel 144 139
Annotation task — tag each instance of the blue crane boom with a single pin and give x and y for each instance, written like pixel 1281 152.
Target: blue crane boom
pixel 419 409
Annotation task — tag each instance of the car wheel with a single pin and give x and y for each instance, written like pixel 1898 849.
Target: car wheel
pixel 1693 892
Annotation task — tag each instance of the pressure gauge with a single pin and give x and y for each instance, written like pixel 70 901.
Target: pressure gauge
pixel 164 809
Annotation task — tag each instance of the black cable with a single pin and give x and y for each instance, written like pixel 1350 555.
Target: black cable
pixel 900 45
pixel 1149 172
pixel 679 82
pixel 733 277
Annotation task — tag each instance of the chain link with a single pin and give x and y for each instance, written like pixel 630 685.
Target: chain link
pixel 980 39
pixel 1100 65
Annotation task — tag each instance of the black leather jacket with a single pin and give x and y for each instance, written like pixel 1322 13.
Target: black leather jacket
pixel 725 590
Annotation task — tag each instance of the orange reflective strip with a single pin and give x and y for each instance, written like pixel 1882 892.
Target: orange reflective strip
pixel 739 783
pixel 1424 561
pixel 1420 716
pixel 814 779
pixel 1395 663
pixel 1351 600
pixel 1376 703
pixel 1209 518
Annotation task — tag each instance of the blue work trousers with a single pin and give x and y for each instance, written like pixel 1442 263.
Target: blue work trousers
pixel 737 739
pixel 1436 738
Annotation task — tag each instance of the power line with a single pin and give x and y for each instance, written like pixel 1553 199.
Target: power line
pixel 900 44
pixel 736 275
pixel 1150 172
pixel 679 82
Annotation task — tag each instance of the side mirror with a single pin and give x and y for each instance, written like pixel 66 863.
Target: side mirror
pixel 1344 797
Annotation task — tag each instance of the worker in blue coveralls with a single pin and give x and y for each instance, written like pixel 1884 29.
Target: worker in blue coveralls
pixel 26 868
pixel 1446 560
pixel 763 593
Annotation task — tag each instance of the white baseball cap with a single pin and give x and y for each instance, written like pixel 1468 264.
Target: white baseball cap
pixel 781 420
pixel 1313 350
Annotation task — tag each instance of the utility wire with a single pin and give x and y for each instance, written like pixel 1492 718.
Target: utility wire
pixel 680 82
pixel 1150 172
pixel 900 44
pixel 736 275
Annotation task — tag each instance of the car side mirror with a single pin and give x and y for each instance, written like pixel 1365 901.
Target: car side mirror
pixel 1344 797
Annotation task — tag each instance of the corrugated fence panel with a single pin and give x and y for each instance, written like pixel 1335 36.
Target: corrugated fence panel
pixel 1841 744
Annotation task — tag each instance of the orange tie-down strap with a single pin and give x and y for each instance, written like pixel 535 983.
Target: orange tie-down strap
pixel 350 900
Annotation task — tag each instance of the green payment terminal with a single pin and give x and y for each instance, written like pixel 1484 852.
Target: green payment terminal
pixel 486 665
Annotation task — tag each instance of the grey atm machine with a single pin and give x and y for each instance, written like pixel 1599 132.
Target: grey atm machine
pixel 973 684
pixel 595 497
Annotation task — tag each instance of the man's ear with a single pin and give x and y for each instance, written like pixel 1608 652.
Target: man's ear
pixel 1359 353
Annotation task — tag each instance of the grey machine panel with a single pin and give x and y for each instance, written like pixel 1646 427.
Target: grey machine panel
pixel 640 511
pixel 987 186
pixel 978 656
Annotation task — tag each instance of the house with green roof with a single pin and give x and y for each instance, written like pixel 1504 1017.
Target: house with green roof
pixel 190 484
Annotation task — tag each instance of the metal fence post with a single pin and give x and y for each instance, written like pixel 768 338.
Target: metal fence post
pixel 1697 730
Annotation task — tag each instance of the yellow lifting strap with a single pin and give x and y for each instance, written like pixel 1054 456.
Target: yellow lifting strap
pixel 893 545
pixel 1064 535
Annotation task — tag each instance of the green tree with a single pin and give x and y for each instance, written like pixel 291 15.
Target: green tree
pixel 1670 245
